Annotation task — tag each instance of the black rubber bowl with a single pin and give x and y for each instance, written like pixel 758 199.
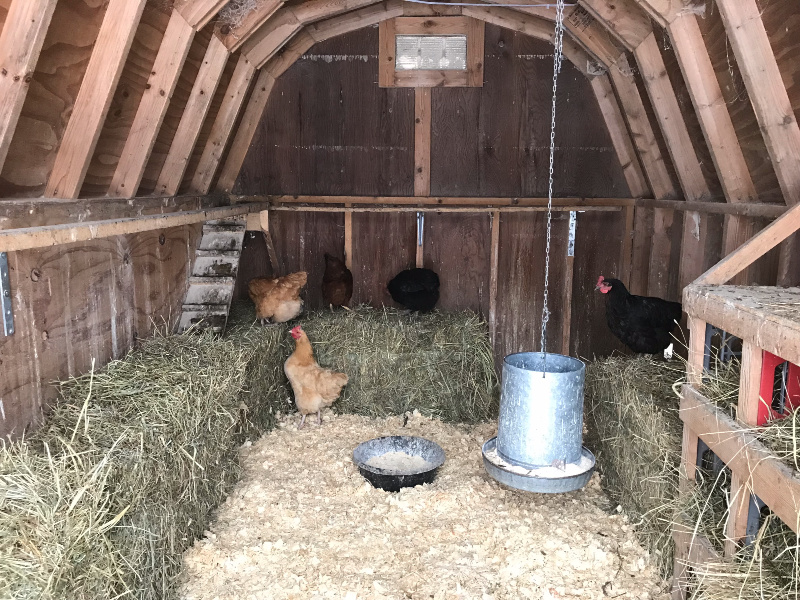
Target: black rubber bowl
pixel 393 481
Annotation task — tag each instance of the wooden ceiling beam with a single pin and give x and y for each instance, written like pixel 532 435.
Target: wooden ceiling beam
pixel 664 12
pixel 297 46
pixel 771 105
pixel 194 114
pixel 97 90
pixel 624 19
pixel 223 126
pixel 245 132
pixel 153 107
pixel 356 19
pixel 234 37
pixel 199 12
pixel 21 41
pixel 679 143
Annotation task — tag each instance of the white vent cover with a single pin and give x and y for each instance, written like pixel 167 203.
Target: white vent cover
pixel 431 52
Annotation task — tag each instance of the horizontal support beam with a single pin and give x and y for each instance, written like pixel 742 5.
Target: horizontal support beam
pixel 429 208
pixel 435 201
pixel 749 209
pixel 771 480
pixel 12 240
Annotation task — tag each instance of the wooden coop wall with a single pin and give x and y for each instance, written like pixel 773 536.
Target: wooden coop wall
pixel 330 130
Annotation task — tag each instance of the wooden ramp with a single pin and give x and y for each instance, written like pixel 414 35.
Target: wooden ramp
pixel 208 297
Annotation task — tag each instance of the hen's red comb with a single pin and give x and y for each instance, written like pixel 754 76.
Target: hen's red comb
pixel 600 280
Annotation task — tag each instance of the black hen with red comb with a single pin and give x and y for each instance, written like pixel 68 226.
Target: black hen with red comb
pixel 643 324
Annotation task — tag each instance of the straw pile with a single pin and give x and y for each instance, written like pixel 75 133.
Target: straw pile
pixel 632 417
pixel 438 363
pixel 102 501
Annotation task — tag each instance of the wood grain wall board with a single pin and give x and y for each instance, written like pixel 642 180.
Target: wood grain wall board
pixel 520 282
pixel 125 102
pixel 254 262
pixel 458 248
pixel 328 129
pixel 383 245
pixel 301 239
pixel 455 141
pixel 51 96
pixel 597 241
pixel 208 123
pixel 83 301
pixel 172 119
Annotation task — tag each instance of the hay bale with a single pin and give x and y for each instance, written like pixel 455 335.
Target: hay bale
pixel 104 498
pixel 633 423
pixel 438 363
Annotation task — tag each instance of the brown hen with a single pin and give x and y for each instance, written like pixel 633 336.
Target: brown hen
pixel 277 300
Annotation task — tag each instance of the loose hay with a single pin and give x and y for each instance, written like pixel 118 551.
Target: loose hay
pixel 633 422
pixel 438 363
pixel 103 499
pixel 303 523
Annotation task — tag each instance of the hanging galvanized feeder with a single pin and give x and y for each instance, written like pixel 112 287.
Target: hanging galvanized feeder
pixel 538 447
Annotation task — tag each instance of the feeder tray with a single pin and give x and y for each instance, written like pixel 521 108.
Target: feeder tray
pixel 393 479
pixel 545 480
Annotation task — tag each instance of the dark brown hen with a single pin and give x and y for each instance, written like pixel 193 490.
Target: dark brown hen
pixel 337 282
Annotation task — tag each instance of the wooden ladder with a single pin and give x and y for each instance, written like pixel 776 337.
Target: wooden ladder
pixel 208 297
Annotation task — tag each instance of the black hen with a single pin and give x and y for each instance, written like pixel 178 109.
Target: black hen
pixel 416 289
pixel 337 283
pixel 643 324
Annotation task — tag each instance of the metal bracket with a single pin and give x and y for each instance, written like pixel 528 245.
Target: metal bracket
pixel 573 222
pixel 5 295
pixel 420 227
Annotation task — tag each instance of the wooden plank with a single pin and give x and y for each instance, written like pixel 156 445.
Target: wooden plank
pixel 152 108
pixel 752 250
pixel 475 52
pixel 294 207
pixel 312 11
pixel 348 240
pixel 684 157
pixel 199 12
pixel 750 209
pixel 566 324
pixel 626 258
pixel 717 126
pixel 12 240
pixel 765 316
pixel 263 218
pixel 102 74
pixel 665 12
pixel 271 37
pixel 280 63
pixel 233 36
pixel 618 131
pixel 357 19
pixel 438 200
pixel 422 142
pixel 750 384
pixel 223 126
pixel 696 356
pixel 771 480
pixel 625 19
pixel 193 116
pixel 245 132
pixel 21 40
pixel 386 49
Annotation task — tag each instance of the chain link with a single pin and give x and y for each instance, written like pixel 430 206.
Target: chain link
pixel 557 55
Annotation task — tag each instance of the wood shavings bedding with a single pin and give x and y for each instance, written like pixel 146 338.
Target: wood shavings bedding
pixel 303 523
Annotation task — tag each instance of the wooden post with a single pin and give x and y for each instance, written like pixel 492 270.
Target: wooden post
pixel 153 107
pixel 348 238
pixel 494 262
pixel 566 321
pixel 273 256
pixel 94 98
pixel 21 42
pixel 169 181
pixel 422 154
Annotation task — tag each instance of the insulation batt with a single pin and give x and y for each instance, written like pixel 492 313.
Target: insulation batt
pixel 303 523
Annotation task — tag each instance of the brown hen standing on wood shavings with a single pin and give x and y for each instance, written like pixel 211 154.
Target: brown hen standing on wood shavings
pixel 303 523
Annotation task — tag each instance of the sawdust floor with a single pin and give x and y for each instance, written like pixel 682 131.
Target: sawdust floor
pixel 303 523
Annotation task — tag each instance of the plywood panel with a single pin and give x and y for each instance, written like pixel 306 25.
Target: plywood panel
pixel 329 129
pixel 82 301
pixel 383 245
pixel 125 102
pixel 457 247
pixel 51 96
pixel 301 240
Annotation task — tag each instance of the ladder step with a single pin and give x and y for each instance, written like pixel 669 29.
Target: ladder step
pixel 216 263
pixel 230 222
pixel 210 290
pixel 220 238
pixel 211 317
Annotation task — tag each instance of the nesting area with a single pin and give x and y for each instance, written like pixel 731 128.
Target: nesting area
pixel 303 523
